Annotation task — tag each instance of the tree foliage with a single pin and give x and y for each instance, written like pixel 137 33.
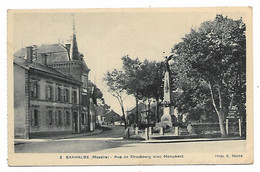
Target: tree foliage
pixel 115 81
pixel 144 80
pixel 211 65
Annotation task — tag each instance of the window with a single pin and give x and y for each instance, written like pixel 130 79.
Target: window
pixel 50 116
pixel 49 94
pixel 59 118
pixel 33 90
pixel 35 118
pixel 85 80
pixel 75 96
pixel 66 95
pixel 59 94
pixel 67 118
pixel 83 118
pixel 84 100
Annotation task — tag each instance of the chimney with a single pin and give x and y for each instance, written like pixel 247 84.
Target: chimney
pixel 44 58
pixel 68 48
pixel 29 53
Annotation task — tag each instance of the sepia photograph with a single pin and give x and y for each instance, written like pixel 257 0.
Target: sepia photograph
pixel 145 86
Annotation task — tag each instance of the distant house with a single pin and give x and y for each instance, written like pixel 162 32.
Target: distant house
pixel 113 118
pixel 142 117
pixel 100 114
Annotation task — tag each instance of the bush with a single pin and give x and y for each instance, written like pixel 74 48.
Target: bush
pixel 143 126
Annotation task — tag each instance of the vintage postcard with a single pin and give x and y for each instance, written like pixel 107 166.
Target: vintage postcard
pixel 147 86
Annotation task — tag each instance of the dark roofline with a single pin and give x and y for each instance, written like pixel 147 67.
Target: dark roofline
pixel 61 76
pixel 134 108
pixel 80 62
pixel 65 78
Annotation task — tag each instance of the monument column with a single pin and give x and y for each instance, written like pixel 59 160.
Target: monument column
pixel 168 117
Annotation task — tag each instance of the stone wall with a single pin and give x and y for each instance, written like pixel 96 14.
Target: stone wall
pixel 20 102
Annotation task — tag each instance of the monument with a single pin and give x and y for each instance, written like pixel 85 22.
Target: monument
pixel 169 118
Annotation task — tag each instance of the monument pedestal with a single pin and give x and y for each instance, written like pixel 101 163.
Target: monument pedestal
pixel 169 121
pixel 166 120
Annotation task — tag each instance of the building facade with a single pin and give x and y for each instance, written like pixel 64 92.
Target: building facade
pixel 46 102
pixel 67 60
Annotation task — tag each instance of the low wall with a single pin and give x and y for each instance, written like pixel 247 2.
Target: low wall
pixel 50 134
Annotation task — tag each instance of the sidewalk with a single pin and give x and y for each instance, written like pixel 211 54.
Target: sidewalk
pixel 192 140
pixel 176 140
pixel 53 138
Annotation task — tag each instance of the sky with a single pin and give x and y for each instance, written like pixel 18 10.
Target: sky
pixel 104 36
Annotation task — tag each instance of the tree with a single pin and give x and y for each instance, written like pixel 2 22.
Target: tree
pixel 134 82
pixel 115 82
pixel 213 57
pixel 152 75
pixel 144 80
pixel 96 93
pixel 102 109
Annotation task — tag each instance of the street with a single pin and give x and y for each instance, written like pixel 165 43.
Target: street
pixel 84 144
pixel 107 142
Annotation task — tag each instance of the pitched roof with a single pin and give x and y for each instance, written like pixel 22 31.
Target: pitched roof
pixel 140 106
pixel 44 48
pixel 113 113
pixel 20 53
pixel 37 66
pixel 74 48
pixel 51 48
pixel 57 49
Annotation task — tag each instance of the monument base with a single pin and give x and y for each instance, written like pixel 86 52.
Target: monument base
pixel 166 120
pixel 168 124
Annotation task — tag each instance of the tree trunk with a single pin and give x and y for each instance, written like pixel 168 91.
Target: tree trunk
pixel 148 115
pixel 136 110
pixel 157 110
pixel 121 102
pixel 123 111
pixel 221 113
pixel 221 124
pixel 218 111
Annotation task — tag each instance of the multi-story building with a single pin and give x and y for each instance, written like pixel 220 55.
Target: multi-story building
pixel 69 62
pixel 46 101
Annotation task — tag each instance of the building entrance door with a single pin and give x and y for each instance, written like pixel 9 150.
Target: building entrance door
pixel 75 121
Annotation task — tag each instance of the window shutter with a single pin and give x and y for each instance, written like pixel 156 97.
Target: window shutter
pixel 56 118
pixel 64 118
pixel 38 94
pixel 68 98
pixel 53 117
pixel 61 120
pixel 56 93
pixel 72 97
pixel 46 92
pixel 39 118
pixel 47 117
pixel 32 117
pixel 68 117
pixel 52 92
pixel 31 90
pixel 63 95
pixel 76 97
